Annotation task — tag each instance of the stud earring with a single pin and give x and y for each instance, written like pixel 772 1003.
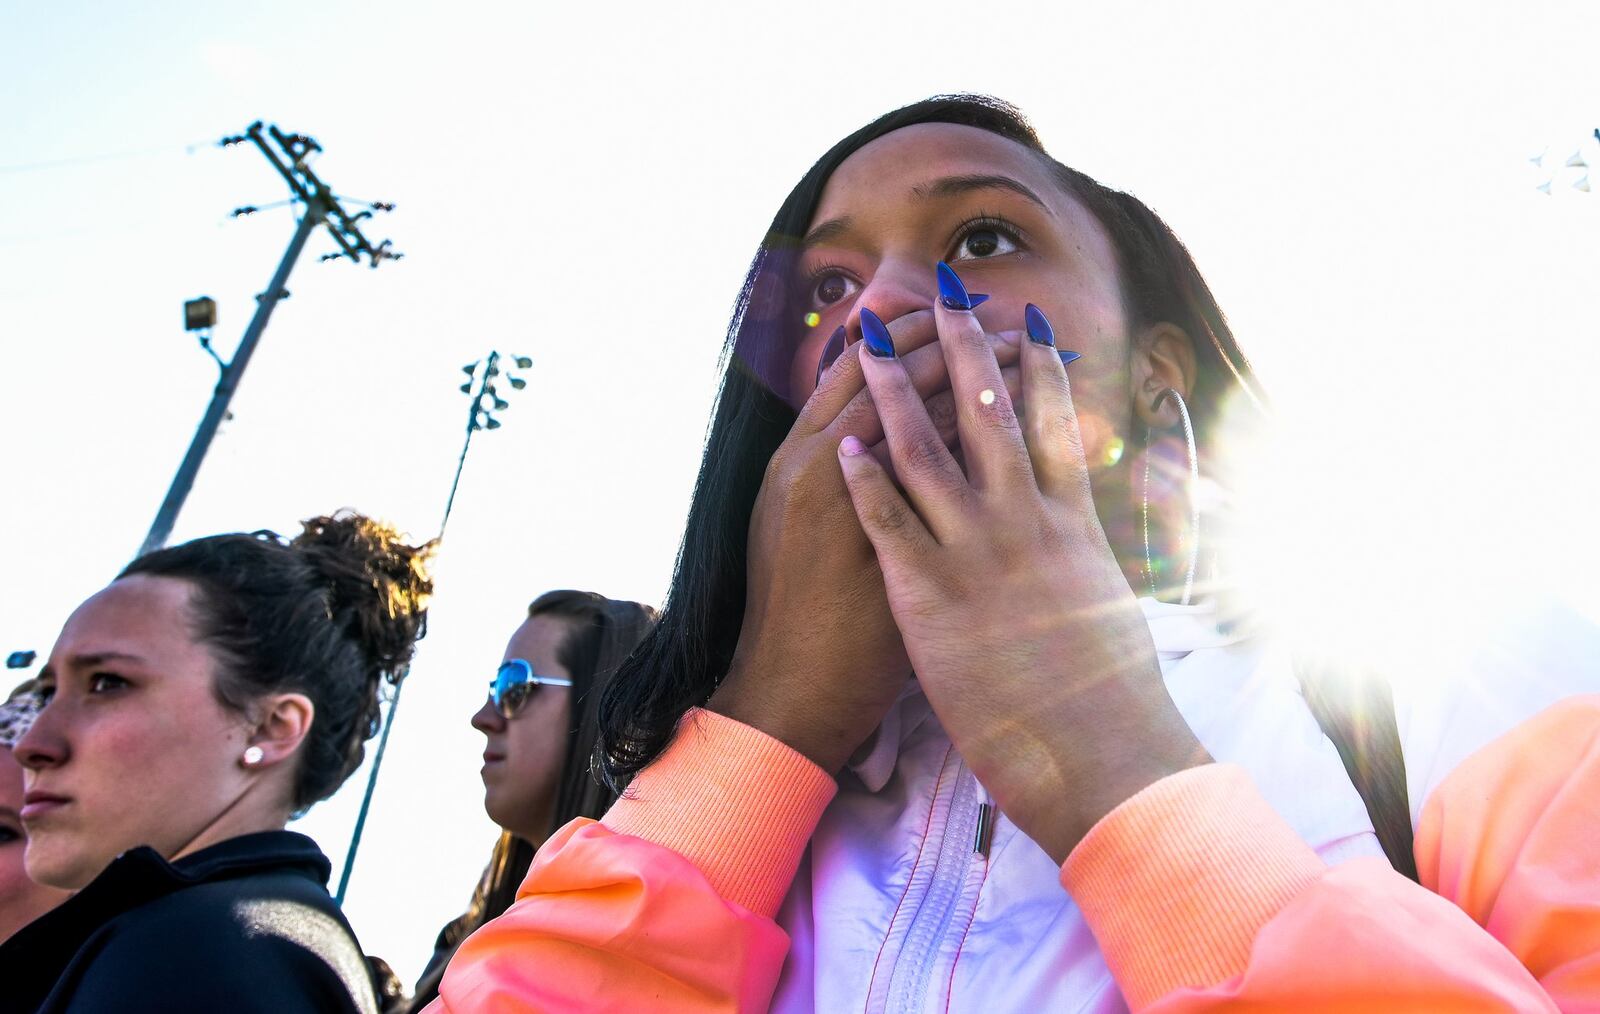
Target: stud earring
pixel 253 756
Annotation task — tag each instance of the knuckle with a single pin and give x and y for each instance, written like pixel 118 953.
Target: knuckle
pixel 969 334
pixel 1055 430
pixel 776 476
pixel 887 516
pixel 998 414
pixel 925 455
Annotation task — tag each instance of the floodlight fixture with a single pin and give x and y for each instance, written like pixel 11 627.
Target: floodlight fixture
pixel 200 314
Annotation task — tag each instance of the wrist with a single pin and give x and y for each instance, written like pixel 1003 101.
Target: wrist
pixel 1067 797
pixel 797 726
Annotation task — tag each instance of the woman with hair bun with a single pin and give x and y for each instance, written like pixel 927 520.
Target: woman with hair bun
pixel 188 710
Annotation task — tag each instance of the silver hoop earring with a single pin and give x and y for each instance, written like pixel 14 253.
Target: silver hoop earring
pixel 1194 501
pixel 253 755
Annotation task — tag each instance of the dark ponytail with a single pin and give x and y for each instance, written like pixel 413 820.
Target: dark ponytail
pixel 601 634
pixel 333 613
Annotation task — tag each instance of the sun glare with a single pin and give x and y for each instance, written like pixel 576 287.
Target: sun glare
pixel 1344 548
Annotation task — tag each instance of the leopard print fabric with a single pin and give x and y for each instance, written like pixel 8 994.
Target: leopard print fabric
pixel 16 716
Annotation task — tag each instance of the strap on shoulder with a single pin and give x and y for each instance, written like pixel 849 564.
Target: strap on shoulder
pixel 1356 711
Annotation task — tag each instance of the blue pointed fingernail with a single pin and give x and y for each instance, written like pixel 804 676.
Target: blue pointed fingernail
pixel 830 352
pixel 974 298
pixel 876 335
pixel 1039 330
pixel 1067 357
pixel 951 292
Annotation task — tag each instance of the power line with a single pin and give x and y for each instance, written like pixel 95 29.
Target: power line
pixel 108 156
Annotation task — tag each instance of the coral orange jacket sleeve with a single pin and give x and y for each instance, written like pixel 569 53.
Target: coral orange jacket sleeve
pixel 1202 899
pixel 667 904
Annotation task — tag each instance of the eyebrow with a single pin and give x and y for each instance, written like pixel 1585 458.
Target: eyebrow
pixel 90 660
pixel 6 811
pixel 956 186
pixel 828 231
pixel 947 186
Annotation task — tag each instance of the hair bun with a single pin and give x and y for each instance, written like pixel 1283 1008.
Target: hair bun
pixel 378 585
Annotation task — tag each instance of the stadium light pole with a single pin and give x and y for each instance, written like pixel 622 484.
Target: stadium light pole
pixel 486 373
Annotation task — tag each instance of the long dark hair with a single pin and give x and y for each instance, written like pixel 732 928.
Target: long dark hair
pixel 685 657
pixel 601 634
pixel 333 613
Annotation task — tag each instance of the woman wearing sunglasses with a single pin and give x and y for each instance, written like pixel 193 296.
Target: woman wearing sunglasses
pixel 540 723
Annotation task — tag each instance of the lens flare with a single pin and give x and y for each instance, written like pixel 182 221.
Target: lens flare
pixel 1113 451
pixel 986 396
pixel 813 319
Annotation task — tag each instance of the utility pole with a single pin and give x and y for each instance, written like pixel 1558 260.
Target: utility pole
pixel 319 205
pixel 480 416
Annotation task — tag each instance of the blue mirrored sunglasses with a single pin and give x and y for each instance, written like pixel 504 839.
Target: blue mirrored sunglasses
pixel 514 682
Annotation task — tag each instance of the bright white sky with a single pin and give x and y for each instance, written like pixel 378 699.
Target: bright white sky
pixel 586 183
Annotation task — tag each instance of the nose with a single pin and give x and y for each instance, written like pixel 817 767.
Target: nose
pixel 899 286
pixel 44 745
pixel 487 720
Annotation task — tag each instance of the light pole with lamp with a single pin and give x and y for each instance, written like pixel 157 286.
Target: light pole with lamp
pixel 486 374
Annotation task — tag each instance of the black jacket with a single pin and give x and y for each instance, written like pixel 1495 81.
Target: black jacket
pixel 243 926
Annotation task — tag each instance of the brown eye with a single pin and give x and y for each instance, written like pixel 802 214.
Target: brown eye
pixel 832 289
pixel 982 240
pixel 982 243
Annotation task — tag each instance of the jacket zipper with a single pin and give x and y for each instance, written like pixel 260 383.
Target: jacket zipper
pixel 942 910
